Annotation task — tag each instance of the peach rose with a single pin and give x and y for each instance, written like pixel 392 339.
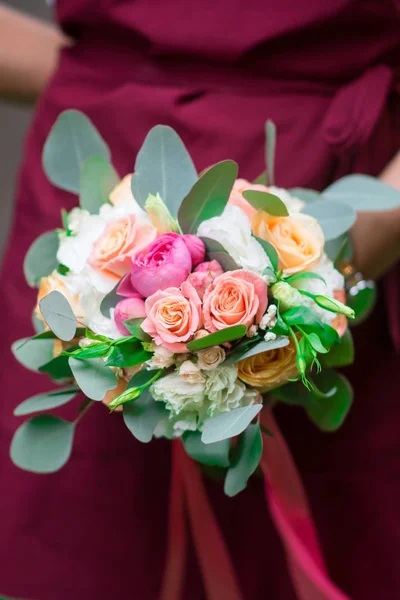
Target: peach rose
pixel 268 370
pixel 112 252
pixel 173 316
pixel 122 193
pixel 340 322
pixel 55 283
pixel 236 198
pixel 234 298
pixel 298 239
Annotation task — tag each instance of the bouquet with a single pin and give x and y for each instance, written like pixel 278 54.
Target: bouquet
pixel 189 302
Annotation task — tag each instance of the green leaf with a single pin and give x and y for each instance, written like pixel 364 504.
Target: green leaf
pixel 37 324
pixel 212 245
pixel 270 135
pixel 57 368
pixel 94 351
pixel 98 179
pixel 361 298
pixel 261 179
pixel 144 378
pixel 47 400
pixel 339 249
pixel 267 202
pixel 93 377
pixel 293 393
pixel 229 424
pixel 225 260
pixel 341 354
pixel 316 343
pixel 72 139
pixel 327 334
pixel 335 218
pixel 163 166
pixel 58 315
pixel 306 275
pixel 143 415
pixel 363 193
pixel 270 252
pixel 280 342
pixel 280 328
pixel 110 301
pixel 219 337
pixel 329 413
pixel 214 455
pixel 43 444
pixel 302 315
pixel 134 327
pixel 33 353
pixel 128 354
pixel 208 197
pixel 246 461
pixel 305 194
pixel 41 258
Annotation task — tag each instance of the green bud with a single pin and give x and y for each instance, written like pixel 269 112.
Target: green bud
pixel 159 215
pixel 287 296
pixel 334 306
pixel 127 396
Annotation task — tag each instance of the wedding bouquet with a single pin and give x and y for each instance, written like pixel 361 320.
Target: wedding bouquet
pixel 187 302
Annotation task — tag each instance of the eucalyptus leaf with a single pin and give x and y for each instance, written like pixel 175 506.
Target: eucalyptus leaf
pixel 339 249
pixel 98 179
pixel 219 337
pixel 110 301
pixel 270 135
pixel 341 354
pixel 305 194
pixel 58 368
pixel 41 258
pixel 93 377
pixel 163 166
pixel 335 218
pixel 363 193
pixel 43 444
pixel 280 342
pixel 32 354
pixel 229 424
pixel 215 455
pixel 246 461
pixel 37 324
pixel 47 400
pixel 134 328
pixel 208 197
pixel 225 260
pixel 72 139
pixel 270 252
pixel 267 202
pixel 143 415
pixel 58 315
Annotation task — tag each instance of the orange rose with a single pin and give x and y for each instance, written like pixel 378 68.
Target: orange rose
pixel 112 252
pixel 122 193
pixel 268 370
pixel 298 239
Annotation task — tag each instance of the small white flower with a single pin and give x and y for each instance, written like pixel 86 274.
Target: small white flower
pixel 269 336
pixel 200 334
pixel 225 392
pixel 179 395
pixel 190 372
pixel 210 358
pixel 252 331
pixel 269 319
pixel 161 359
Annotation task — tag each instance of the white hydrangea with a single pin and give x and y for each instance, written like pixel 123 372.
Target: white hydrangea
pixel 225 392
pixel 233 231
pixel 293 204
pixel 179 395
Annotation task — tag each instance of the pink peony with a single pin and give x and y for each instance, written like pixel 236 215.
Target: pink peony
pixel 204 274
pixel 129 308
pixel 167 263
pixel 196 248
pixel 173 317
pixel 234 298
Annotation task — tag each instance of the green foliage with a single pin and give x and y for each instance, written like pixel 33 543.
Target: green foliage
pixel 41 258
pixel 229 424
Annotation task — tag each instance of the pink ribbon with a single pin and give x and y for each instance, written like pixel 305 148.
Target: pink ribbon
pixel 290 512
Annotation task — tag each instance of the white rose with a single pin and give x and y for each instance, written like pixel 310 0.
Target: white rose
pixel 162 358
pixel 225 392
pixel 190 372
pixel 210 358
pixel 179 395
pixel 234 233
pixel 293 204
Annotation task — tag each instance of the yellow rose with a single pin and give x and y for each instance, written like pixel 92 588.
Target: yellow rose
pixel 55 283
pixel 298 239
pixel 122 193
pixel 268 370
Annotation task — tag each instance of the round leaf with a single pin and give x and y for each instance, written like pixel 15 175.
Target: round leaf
pixel 71 141
pixel 143 415
pixel 246 461
pixel 229 424
pixel 33 354
pixel 335 218
pixel 41 258
pixel 47 400
pixel 363 193
pixel 43 444
pixel 214 455
pixel 93 377
pixel 58 315
pixel 98 179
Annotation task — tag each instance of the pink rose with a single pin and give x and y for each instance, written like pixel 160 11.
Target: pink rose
pixel 234 298
pixel 236 198
pixel 129 308
pixel 167 263
pixel 173 317
pixel 121 239
pixel 196 248
pixel 203 275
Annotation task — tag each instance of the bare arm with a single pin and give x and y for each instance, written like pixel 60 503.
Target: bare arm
pixel 376 235
pixel 28 55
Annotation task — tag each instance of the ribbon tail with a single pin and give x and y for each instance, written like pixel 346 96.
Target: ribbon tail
pixel 292 517
pixel 174 574
pixel 217 571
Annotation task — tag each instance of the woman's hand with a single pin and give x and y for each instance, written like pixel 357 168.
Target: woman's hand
pixel 376 235
pixel 28 55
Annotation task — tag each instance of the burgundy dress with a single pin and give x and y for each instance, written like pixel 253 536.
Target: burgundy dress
pixel 325 71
